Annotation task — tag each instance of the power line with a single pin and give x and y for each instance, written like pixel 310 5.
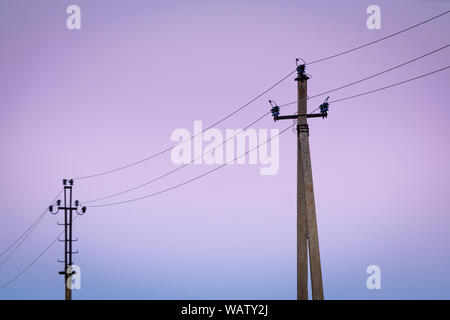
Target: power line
pixel 192 137
pixel 190 180
pixel 221 166
pixel 386 87
pixel 381 39
pixel 257 97
pixel 37 221
pixel 185 165
pixel 315 96
pixel 181 167
pixel 26 233
pixel 213 170
pixel 390 86
pixel 177 186
pixel 33 262
pixel 374 75
pixel 24 238
pixel 178 168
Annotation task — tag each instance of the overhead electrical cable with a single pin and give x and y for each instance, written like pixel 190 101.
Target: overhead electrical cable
pixel 374 75
pixel 223 165
pixel 33 262
pixel 192 137
pixel 378 40
pixel 257 120
pixel 20 240
pixel 386 87
pixel 260 95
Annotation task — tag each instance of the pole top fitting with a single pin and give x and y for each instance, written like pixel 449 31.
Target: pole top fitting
pixel 301 76
pixel 298 59
pixel 66 182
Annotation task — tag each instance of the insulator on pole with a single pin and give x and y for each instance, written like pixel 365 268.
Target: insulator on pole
pixel 275 110
pixel 324 107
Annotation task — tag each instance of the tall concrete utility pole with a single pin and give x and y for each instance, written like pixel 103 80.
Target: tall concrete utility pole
pixel 307 233
pixel 68 240
pixel 302 220
pixel 306 208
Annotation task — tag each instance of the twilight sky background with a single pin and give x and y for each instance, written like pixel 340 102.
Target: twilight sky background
pixel 78 102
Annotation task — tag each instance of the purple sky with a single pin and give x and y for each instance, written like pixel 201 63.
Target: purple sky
pixel 83 101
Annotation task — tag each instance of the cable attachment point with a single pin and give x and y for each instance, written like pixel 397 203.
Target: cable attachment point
pixel 51 208
pixel 65 182
pixel 297 60
pixel 81 210
pixel 301 76
pixel 324 108
pixel 275 110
